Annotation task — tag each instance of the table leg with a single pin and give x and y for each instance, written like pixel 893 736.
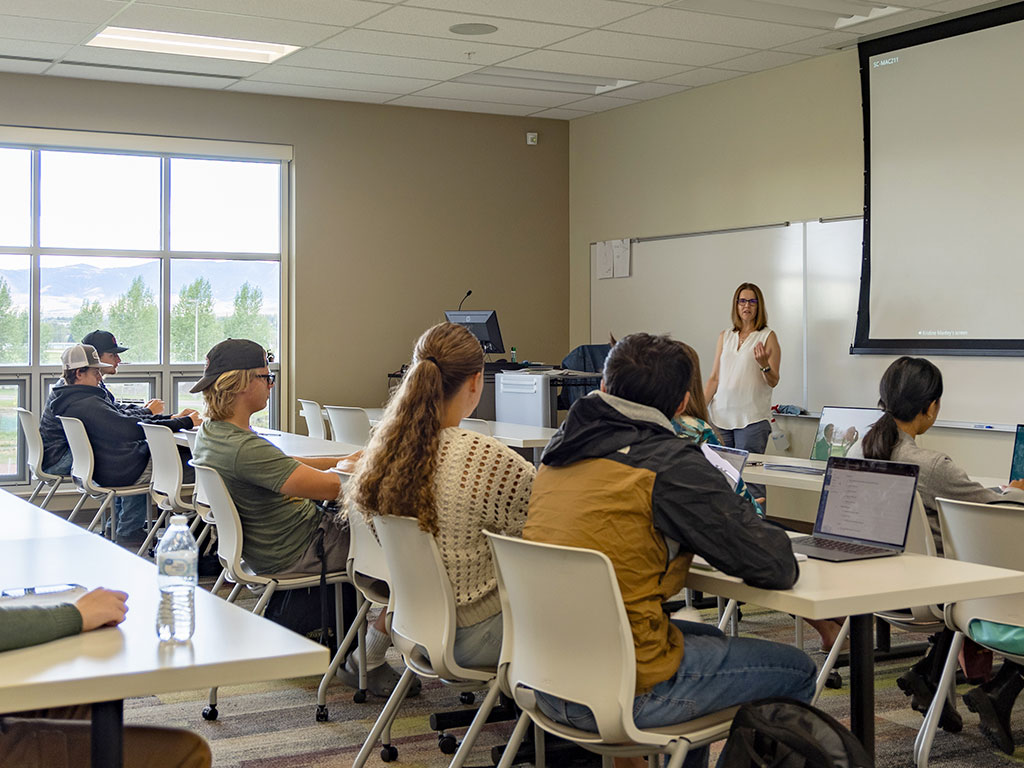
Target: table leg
pixel 862 681
pixel 107 734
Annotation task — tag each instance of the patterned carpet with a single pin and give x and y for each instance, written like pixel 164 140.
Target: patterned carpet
pixel 272 725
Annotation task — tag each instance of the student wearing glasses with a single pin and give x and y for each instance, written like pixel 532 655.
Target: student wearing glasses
pixel 746 368
pixel 283 528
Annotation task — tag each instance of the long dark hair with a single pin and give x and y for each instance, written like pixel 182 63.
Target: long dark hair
pixel 396 473
pixel 908 387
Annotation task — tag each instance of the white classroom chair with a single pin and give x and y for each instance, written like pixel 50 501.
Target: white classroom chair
pixel 34 448
pixel 310 411
pixel 348 424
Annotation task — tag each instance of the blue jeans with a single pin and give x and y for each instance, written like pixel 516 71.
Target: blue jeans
pixel 61 466
pixel 479 645
pixel 716 672
pixel 753 438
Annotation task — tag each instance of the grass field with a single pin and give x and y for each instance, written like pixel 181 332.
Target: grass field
pixel 8 429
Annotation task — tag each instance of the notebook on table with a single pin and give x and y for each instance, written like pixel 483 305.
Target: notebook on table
pixel 863 512
pixel 729 461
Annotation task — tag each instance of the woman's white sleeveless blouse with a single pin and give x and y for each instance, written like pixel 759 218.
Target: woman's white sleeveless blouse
pixel 743 396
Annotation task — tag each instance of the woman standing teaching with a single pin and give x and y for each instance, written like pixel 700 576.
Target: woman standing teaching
pixel 746 369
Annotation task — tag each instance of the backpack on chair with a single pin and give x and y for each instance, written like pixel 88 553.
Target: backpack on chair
pixel 785 733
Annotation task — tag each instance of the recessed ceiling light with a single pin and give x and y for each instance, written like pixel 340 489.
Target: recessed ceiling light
pixel 472 28
pixel 190 45
pixel 509 77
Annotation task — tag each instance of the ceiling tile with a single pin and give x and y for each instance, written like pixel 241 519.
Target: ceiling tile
pixel 310 92
pixel 820 45
pixel 421 21
pixel 560 113
pixel 162 61
pixel 948 6
pixel 418 47
pixel 587 64
pixel 88 11
pixel 698 77
pixel 22 67
pixel 33 50
pixel 886 23
pixel 44 30
pixel 424 102
pixel 600 103
pixel 347 61
pixel 602 43
pixel 191 22
pixel 342 13
pixel 138 76
pixel 648 90
pixel 348 80
pixel 499 94
pixel 709 28
pixel 756 62
pixel 578 13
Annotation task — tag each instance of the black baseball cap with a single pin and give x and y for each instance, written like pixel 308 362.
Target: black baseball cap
pixel 230 355
pixel 104 342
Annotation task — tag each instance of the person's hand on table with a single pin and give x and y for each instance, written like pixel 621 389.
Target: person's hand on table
pixel 102 608
pixel 761 354
pixel 193 414
pixel 347 464
pixel 154 406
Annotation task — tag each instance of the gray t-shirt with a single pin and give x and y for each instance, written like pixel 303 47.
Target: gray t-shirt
pixel 276 528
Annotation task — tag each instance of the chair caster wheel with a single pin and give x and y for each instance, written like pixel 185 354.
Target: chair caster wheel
pixel 210 713
pixel 447 744
pixel 834 680
pixel 467 698
pixel 388 753
pixel 359 697
pixel 321 713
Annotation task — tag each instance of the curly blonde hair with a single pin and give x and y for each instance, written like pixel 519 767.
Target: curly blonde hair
pixel 395 475
pixel 220 396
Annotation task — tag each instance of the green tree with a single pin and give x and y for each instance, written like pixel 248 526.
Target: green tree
pixel 133 320
pixel 13 328
pixel 88 319
pixel 194 327
pixel 247 322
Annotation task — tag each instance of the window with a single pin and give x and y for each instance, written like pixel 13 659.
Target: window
pixel 167 243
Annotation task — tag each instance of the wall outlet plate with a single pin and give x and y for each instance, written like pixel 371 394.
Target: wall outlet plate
pixel 531 138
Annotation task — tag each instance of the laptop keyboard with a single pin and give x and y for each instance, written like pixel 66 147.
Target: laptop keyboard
pixel 840 546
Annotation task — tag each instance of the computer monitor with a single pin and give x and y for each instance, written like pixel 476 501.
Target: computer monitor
pixel 1017 463
pixel 482 323
pixel 840 429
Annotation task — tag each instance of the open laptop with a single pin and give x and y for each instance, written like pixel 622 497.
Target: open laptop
pixel 729 461
pixel 864 510
pixel 839 429
pixel 1017 462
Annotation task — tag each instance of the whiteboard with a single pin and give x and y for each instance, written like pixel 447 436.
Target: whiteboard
pixel 810 275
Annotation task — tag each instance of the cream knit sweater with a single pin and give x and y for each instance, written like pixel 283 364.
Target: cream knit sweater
pixel 480 484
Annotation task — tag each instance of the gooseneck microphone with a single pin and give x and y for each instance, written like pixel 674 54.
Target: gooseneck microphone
pixel 464 299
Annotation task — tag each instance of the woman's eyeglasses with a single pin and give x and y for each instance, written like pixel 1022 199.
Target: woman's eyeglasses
pixel 743 302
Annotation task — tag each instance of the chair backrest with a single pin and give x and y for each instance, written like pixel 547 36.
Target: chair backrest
pixel 165 485
pixel 368 567
pixel 348 424
pixel 919 537
pixel 225 516
pixel 989 534
pixel 566 631
pixel 314 418
pixel 198 499
pixel 423 600
pixel 478 425
pixel 33 443
pixel 82 460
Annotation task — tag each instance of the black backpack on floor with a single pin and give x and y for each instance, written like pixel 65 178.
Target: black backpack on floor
pixel 785 733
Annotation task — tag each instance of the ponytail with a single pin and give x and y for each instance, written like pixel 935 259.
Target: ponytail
pixel 908 388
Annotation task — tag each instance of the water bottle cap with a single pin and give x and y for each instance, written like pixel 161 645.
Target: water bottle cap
pixel 179 520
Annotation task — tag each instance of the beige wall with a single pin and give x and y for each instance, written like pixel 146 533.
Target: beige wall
pixel 397 213
pixel 781 145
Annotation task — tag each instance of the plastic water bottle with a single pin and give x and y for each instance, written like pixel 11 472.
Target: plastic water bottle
pixel 513 358
pixel 779 439
pixel 177 563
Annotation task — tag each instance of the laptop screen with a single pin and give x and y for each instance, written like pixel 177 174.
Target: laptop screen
pixel 729 461
pixel 1017 464
pixel 867 501
pixel 839 429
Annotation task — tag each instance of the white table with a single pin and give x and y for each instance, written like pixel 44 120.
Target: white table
pixel 230 646
pixel 512 435
pixel 806 508
pixel 296 445
pixel 858 589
